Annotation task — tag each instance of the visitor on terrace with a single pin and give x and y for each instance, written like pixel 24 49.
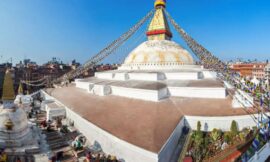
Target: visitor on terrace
pixel 43 123
pixel 111 159
pixel 88 156
pixel 97 159
pixel 78 145
pixel 103 158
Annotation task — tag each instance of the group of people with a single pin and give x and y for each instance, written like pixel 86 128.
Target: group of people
pixel 48 124
pixel 90 157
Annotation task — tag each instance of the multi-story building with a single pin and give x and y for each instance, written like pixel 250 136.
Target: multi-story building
pixel 267 72
pixel 243 69
pixel 258 70
pixel 250 70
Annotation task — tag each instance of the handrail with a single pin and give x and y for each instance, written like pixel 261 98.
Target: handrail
pixel 261 149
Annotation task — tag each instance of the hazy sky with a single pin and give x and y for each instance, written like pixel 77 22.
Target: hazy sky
pixel 77 29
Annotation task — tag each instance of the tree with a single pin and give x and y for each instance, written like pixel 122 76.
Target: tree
pixel 205 148
pixel 199 126
pixel 198 141
pixel 227 137
pixel 234 128
pixel 215 134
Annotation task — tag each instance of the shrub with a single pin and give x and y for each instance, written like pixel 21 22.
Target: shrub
pixel 254 128
pixel 234 128
pixel 198 139
pixel 215 134
pixel 227 137
pixel 199 126
pixel 242 136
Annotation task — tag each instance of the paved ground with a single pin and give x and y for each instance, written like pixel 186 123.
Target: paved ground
pixel 142 123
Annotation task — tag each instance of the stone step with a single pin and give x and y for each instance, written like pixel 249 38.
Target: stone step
pixel 23 158
pixel 56 141
pixel 58 146
pixel 51 138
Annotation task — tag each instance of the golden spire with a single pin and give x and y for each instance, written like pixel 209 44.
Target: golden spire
pixel 159 28
pixel 20 89
pixel 8 89
pixel 161 3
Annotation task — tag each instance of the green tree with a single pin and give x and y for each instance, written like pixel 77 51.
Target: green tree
pixel 205 148
pixel 199 126
pixel 227 137
pixel 198 138
pixel 215 135
pixel 234 128
pixel 198 141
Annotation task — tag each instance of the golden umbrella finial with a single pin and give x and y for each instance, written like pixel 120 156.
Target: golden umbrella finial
pixel 9 124
pixel 160 3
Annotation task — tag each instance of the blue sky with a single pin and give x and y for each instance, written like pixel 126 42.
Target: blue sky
pixel 77 29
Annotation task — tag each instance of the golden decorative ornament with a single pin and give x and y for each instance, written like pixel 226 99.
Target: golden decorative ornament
pixel 9 124
pixel 160 3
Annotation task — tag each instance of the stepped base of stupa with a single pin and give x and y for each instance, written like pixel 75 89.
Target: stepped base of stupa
pixel 155 85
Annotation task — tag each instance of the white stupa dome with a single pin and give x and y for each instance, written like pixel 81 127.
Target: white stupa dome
pixel 17 117
pixel 19 133
pixel 159 52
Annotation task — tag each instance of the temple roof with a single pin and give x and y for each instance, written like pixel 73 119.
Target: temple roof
pixel 8 88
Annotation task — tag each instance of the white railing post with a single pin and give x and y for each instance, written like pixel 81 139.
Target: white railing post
pixel 256 156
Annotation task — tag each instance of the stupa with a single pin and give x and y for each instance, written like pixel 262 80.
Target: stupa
pixel 15 132
pixel 25 101
pixel 157 69
pixel 138 111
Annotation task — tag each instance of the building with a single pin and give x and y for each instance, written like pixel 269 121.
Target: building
pixel 138 111
pixel 244 70
pixel 267 72
pixel 258 70
pixel 250 69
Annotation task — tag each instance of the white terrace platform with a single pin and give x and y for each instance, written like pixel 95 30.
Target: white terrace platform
pixel 155 85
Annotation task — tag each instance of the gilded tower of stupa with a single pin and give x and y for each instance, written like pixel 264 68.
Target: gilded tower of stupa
pixel 159 51
pixel 8 91
pixel 159 28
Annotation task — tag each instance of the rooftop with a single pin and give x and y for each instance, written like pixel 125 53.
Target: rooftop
pixel 142 123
